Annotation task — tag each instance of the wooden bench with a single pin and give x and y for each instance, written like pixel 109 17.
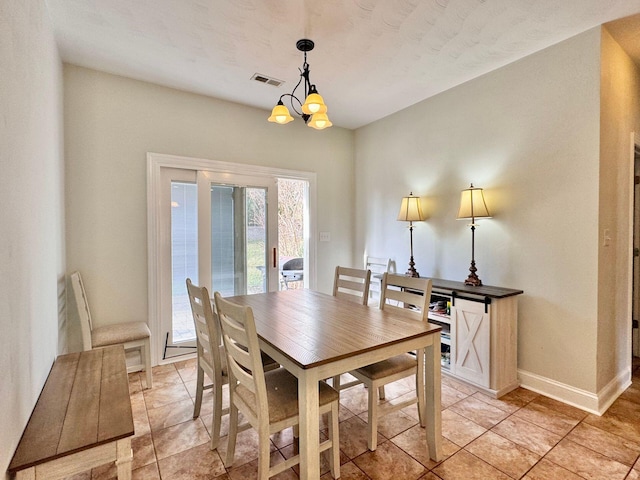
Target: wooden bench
pixel 82 419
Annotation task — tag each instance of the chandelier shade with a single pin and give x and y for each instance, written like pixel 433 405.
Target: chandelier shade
pixel 314 104
pixel 319 121
pixel 280 114
pixel 313 110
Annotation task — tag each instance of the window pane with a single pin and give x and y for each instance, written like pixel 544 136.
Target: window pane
pixel 184 257
pixel 292 196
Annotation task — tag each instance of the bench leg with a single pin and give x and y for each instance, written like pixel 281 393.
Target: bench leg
pixel 124 456
pixel 146 353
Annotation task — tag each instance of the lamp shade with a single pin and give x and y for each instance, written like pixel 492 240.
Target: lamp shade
pixel 280 114
pixel 314 103
pixel 410 209
pixel 319 121
pixel 472 204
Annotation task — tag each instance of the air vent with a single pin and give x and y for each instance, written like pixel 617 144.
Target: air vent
pixel 258 77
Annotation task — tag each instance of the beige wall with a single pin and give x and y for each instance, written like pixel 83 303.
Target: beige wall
pixel 112 122
pixel 528 134
pixel 31 213
pixel 620 115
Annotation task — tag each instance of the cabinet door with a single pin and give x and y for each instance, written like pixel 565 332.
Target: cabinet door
pixel 472 334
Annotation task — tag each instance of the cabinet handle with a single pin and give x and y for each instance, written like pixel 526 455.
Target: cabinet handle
pixel 275 264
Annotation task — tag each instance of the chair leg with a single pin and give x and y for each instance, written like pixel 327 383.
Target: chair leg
pixel 372 419
pixel 147 362
pixel 199 388
pixel 381 394
pixel 264 452
pixel 335 383
pixel 334 461
pixel 217 411
pixel 420 388
pixel 233 433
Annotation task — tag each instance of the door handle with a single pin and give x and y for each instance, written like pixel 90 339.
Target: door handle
pixel 275 265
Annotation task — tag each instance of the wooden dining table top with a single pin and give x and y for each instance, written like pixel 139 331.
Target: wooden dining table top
pixel 312 328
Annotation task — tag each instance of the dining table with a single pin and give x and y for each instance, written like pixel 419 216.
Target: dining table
pixel 316 336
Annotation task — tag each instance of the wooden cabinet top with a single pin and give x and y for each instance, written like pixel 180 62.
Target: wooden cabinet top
pixel 449 286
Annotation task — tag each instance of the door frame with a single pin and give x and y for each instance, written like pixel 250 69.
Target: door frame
pixel 157 161
pixel 633 284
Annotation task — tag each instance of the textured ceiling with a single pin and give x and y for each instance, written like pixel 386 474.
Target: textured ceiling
pixel 372 57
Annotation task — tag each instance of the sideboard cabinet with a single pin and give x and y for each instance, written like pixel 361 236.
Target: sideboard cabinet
pixel 479 334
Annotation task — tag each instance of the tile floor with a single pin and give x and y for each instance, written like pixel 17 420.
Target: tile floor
pixel 522 435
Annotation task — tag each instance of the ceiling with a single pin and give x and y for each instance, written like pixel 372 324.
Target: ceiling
pixel 371 57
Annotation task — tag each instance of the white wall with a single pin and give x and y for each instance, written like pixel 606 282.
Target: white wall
pixel 619 116
pixel 528 134
pixel 31 213
pixel 112 122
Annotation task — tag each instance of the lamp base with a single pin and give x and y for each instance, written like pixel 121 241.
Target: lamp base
pixel 473 279
pixel 412 272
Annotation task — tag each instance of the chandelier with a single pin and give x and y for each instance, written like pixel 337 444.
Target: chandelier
pixel 313 111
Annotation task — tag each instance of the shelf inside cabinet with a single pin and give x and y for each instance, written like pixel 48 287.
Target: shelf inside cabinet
pixel 439 318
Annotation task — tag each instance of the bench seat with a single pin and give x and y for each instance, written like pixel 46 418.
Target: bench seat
pixel 81 420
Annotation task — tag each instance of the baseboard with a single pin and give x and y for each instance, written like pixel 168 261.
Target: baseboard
pixel 613 390
pixel 583 399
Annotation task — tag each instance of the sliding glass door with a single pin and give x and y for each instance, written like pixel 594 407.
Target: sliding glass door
pixel 222 233
pixel 239 233
pixel 233 228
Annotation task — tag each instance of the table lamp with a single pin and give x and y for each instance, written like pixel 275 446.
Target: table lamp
pixel 473 206
pixel 411 211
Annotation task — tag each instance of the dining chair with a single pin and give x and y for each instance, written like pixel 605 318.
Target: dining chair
pixel 353 285
pixel 268 400
pixel 211 357
pixel 410 297
pixel 132 335
pixel 378 266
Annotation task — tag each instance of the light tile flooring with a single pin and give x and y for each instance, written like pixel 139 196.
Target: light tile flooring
pixel 522 435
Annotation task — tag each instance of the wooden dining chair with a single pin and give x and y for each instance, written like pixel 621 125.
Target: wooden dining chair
pixel 407 297
pixel 211 356
pixel 350 284
pixel 212 360
pixel 268 400
pixel 132 335
pixel 378 266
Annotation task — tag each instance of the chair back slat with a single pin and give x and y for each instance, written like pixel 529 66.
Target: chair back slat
pixel 207 326
pixel 243 349
pixel 82 305
pixel 377 264
pixel 352 284
pixel 406 296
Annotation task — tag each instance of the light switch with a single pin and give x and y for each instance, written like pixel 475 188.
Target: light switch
pixel 606 240
pixel 325 237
